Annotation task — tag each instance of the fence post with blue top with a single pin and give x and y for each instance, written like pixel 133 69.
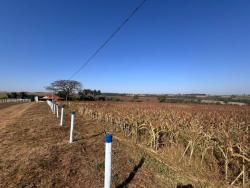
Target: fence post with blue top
pixel 108 158
pixel 72 114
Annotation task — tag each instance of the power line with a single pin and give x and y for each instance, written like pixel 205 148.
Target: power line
pixel 107 40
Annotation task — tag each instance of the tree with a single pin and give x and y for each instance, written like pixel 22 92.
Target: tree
pixel 162 99
pixel 12 95
pixel 90 95
pixel 65 87
pixel 135 97
pixel 23 95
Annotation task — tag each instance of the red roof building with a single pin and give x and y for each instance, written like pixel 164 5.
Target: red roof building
pixel 54 98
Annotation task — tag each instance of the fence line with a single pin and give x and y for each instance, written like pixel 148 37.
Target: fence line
pixel 108 141
pixel 14 100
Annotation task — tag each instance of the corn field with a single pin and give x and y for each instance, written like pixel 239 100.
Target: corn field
pixel 213 134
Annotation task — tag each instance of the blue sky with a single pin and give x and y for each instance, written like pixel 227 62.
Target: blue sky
pixel 169 46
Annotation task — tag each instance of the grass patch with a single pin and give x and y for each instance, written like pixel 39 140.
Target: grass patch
pixel 100 166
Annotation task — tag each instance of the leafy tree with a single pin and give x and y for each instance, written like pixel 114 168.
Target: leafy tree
pixel 162 99
pixel 23 95
pixel 88 94
pixel 65 88
pixel 12 95
pixel 135 97
pixel 61 94
pixel 81 95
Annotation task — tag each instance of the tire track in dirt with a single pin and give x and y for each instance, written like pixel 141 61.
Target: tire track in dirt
pixel 9 114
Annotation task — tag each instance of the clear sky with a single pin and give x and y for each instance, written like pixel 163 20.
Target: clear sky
pixel 169 46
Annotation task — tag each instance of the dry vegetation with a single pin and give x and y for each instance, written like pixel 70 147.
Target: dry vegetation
pixel 35 152
pixel 3 94
pixel 211 140
pixel 158 145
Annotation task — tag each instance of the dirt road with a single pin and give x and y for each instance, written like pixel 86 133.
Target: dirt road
pixel 10 112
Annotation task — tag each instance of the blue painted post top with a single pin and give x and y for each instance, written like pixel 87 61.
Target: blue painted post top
pixel 108 138
pixel 72 113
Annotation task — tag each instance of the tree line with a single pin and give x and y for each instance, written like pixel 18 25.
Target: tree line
pixel 73 90
pixel 19 95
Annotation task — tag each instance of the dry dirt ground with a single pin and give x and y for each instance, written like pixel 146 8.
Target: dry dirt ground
pixel 10 111
pixel 34 152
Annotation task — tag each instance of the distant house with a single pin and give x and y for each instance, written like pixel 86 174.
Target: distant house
pixel 237 103
pixel 212 101
pixel 54 98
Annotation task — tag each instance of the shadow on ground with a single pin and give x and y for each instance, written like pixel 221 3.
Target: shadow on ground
pixel 132 174
pixel 184 186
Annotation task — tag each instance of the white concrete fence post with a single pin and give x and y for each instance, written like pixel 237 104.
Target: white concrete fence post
pixel 57 112
pixel 54 107
pixel 72 114
pixel 108 160
pixel 50 105
pixel 62 109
